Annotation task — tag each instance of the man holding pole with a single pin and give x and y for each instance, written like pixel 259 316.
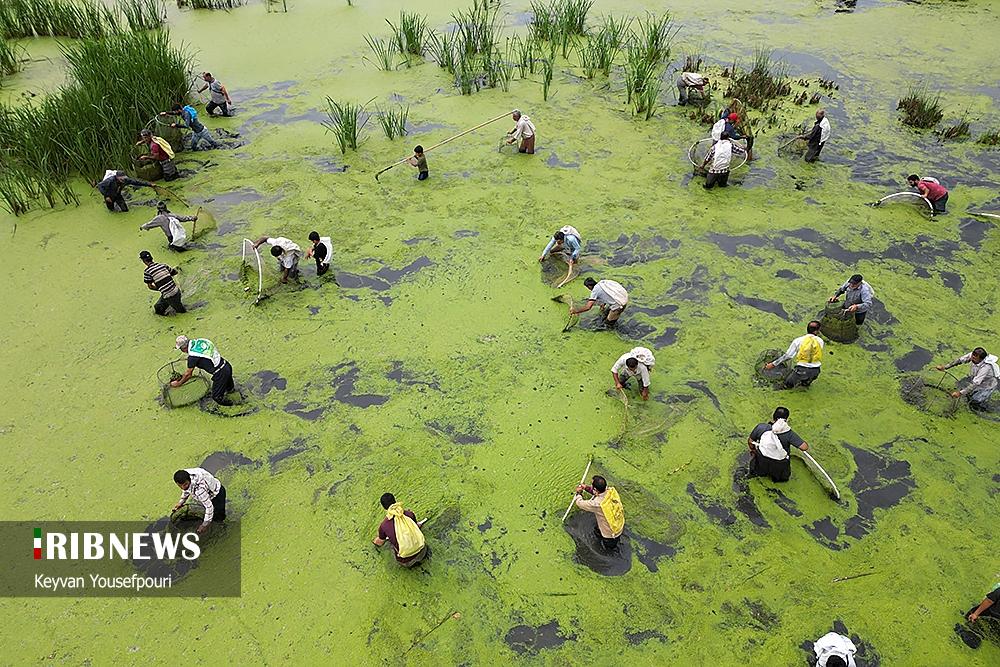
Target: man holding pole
pixel 606 507
pixel 524 130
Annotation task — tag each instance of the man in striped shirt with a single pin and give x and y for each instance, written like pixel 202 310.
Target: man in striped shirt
pixel 206 489
pixel 161 277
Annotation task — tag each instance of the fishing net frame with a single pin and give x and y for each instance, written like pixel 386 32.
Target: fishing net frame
pixel 793 144
pixel 249 245
pixel 774 377
pixel 837 324
pixel 922 203
pixel 922 392
pixel 700 148
pixel 169 372
pixel 147 170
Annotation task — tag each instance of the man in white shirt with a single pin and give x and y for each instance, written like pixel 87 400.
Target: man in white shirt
pixel 721 156
pixel 286 252
pixel 690 80
pixel 984 374
pixel 807 353
pixel 611 297
pixel 818 136
pixel 524 130
pixel 834 650
pixel 206 489
pixel 636 363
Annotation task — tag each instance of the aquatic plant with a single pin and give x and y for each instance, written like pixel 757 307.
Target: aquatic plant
pixel 212 4
pixel 77 18
pixel 477 29
pixel 90 124
pixel 522 54
pixel 766 80
pixel 393 121
pixel 499 67
pixel 411 35
pixel 384 52
pixel 616 31
pixel 989 138
pixel 957 130
pixel 442 49
pixel 559 20
pixel 548 71
pixel 345 121
pixel 653 37
pixel 639 71
pixel 597 56
pixel 10 57
pixel 648 99
pixel 141 14
pixel 921 109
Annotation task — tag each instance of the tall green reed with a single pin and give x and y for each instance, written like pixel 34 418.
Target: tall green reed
pixel 345 121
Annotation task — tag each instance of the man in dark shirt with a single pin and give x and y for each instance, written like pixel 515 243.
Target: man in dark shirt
pixel 387 532
pixel 111 189
pixel 321 251
pixel 762 465
pixel 203 354
pixel 419 160
pixel 161 277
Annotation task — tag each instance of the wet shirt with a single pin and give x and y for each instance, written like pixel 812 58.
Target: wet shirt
pixel 215 91
pixel 933 191
pixel 191 119
pixel 290 251
pixel 571 244
pixel 788 439
pixel 640 371
pixel 161 276
pixel 156 150
pixel 982 375
pixel 860 296
pixel 603 291
pixel 820 132
pixel 204 364
pixel 793 351
pixel 421 164
pixel 204 486
pixel 693 79
pixel 722 156
pixel 524 128
pixel 162 221
pixel 110 187
pixel 594 507
pixel 387 531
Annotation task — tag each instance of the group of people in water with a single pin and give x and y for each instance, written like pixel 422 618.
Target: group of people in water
pixel 769 443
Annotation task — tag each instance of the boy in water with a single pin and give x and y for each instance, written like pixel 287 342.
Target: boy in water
pixel 419 160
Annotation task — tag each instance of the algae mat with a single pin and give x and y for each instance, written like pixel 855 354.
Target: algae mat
pixel 437 369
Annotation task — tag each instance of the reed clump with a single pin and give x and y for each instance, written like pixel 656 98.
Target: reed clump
pixel 345 121
pixel 77 18
pixel 383 52
pixel 393 120
pixel 956 131
pixel 10 57
pixel 410 35
pixel 989 138
pixel 92 122
pixel 920 108
pixel 765 81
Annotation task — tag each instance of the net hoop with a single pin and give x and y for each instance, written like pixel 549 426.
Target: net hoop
pixel 708 141
pixel 247 243
pixel 907 196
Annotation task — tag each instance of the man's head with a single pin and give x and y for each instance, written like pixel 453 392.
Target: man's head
pixel 912 179
pixel 589 283
pixel 813 327
pixel 780 412
pixel 387 500
pixel 559 236
pixel 314 237
pixel 733 118
pixel 725 135
pixel 515 114
pixel 835 661
pixel 599 483
pixel 820 114
pixel 120 176
pixel 978 355
pixel 632 363
pixel 183 479
pixel 161 207
pixel 176 107
pixel 182 343
pixel 855 280
pixel 146 257
pixel 418 150
pixel 277 251
pixel 207 76
pixel 147 136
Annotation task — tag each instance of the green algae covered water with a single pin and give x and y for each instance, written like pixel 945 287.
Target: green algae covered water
pixel 437 369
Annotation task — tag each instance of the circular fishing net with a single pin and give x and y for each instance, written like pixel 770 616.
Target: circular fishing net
pixel 837 324
pixel 188 393
pixel 789 144
pixel 699 151
pixel 160 126
pixel 147 170
pixel 774 377
pixel 906 200
pixel 929 394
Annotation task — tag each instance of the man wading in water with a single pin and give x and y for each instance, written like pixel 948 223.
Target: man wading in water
pixel 984 373
pixel 721 156
pixel 931 190
pixel 564 244
pixel 610 295
pixel 203 354
pixel 161 277
pixel 401 530
pixel 636 363
pixel 607 509
pixel 206 489
pixel 321 251
pixel 111 189
pixel 189 120
pixel 170 223
pixel 818 136
pixel 807 351
pixel 160 152
pixel 219 95
pixel 524 130
pixel 286 252
pixel 769 446
pixel 858 297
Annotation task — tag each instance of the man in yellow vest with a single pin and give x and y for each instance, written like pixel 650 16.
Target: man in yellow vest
pixel 606 507
pixel 401 530
pixel 807 353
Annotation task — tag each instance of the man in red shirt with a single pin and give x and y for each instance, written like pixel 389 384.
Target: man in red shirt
pixel 387 532
pixel 158 154
pixel 930 190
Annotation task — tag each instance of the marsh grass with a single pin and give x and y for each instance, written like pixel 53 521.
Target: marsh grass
pixel 548 70
pixel 214 4
pixel 956 131
pixel 522 54
pixel 411 35
pixel 345 121
pixel 766 80
pixel 91 123
pixel 383 53
pixel 921 109
pixel 77 18
pixel 10 57
pixel 477 29
pixel 441 47
pixel 393 120
pixel 653 36
pixel 989 138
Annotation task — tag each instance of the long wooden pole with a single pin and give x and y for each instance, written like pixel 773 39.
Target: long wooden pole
pixel 442 143
pixel 582 480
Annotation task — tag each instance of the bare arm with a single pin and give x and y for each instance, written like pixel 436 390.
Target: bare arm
pixel 576 311
pixel 182 379
pixel 259 242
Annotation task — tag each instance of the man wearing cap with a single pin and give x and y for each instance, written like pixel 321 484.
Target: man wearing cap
pixel 524 130
pixel 159 151
pixel 727 124
pixel 636 363
pixel 286 252
pixel 858 296
pixel 818 136
pixel 610 295
pixel 111 189
pixel 206 489
pixel 203 354
pixel 690 80
pixel 171 225
pixel 160 277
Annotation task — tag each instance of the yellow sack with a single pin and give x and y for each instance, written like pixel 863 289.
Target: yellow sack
pixel 165 145
pixel 611 506
pixel 408 534
pixel 810 351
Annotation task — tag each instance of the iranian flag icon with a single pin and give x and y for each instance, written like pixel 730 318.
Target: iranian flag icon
pixel 38 543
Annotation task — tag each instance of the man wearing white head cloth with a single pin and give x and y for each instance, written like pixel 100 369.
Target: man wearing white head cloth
pixel 834 650
pixel 524 131
pixel 202 353
pixel 769 446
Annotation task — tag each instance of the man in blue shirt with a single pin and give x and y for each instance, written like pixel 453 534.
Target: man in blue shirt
pixel 565 244
pixel 858 297
pixel 189 120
